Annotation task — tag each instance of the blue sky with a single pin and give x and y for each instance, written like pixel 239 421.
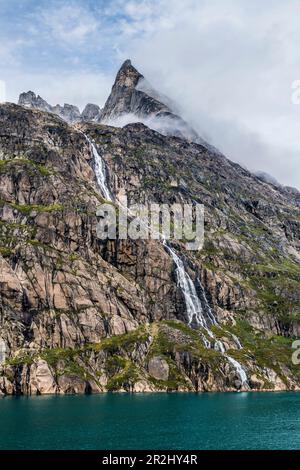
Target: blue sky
pixel 229 63
pixel 44 40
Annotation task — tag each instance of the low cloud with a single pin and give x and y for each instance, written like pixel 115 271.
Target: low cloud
pixel 229 65
pixel 163 125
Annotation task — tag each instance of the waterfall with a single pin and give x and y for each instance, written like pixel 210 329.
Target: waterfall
pixel 2 351
pixel 219 346
pixel 237 341
pixel 207 306
pixel 100 171
pixel 239 369
pixel 197 315
pixel 193 304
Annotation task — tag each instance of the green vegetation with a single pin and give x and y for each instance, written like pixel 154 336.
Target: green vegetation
pixel 5 251
pixel 24 358
pixel 273 352
pixel 26 209
pixel 6 165
pixel 166 344
pixel 175 381
pixel 125 341
pixel 124 378
pixel 65 362
pixel 169 338
pixel 277 286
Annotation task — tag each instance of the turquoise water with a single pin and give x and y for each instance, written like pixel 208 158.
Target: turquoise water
pixel 152 421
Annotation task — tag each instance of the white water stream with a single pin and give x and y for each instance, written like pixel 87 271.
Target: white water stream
pixel 100 171
pixel 194 305
pixel 196 314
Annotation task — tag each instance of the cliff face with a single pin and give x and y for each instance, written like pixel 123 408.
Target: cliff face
pixel 78 314
pixel 132 95
pixel 129 96
pixel 67 112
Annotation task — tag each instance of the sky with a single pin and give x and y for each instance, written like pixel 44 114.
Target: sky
pixel 230 65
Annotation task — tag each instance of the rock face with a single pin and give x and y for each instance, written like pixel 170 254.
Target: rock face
pixel 132 99
pixel 125 98
pixel 30 100
pixel 67 112
pixel 132 95
pixel 158 368
pixel 81 315
pixel 91 112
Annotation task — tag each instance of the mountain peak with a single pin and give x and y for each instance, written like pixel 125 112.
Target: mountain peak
pixel 126 63
pixel 30 100
pixel 132 98
pixel 127 76
pixel 67 112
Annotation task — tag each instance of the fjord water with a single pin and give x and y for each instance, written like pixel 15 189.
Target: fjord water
pixel 152 421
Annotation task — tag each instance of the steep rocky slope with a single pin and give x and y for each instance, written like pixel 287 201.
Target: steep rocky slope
pixel 79 314
pixel 67 112
pixel 133 98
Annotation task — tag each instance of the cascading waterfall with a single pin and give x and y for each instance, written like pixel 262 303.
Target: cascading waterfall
pixel 219 345
pixel 195 312
pixel 194 305
pixel 237 341
pixel 100 171
pixel 239 369
pixel 2 351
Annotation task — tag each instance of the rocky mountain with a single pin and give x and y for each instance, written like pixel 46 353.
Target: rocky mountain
pixel 30 100
pixel 133 97
pixel 292 193
pixel 68 112
pixel 79 314
pixel 91 112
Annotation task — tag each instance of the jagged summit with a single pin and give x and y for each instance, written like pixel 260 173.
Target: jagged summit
pixel 132 99
pixel 126 98
pixel 67 112
pixel 128 75
pixel 31 100
pixel 91 112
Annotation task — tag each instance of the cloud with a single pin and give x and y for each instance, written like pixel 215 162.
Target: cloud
pixel 69 23
pixel 163 124
pixel 5 52
pixel 9 50
pixel 230 66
